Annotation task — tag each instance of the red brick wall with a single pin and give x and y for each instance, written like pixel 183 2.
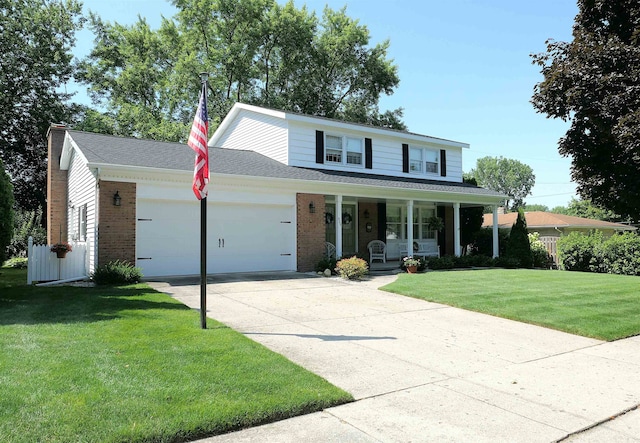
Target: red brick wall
pixel 56 188
pixel 365 237
pixel 117 224
pixel 311 231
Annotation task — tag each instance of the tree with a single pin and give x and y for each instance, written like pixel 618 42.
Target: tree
pixel 36 39
pixel 536 207
pixel 6 212
pixel 518 246
pixel 594 82
pixel 257 51
pixel 586 209
pixel 511 177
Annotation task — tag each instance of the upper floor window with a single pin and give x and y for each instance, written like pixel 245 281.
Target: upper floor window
pixel 344 150
pixel 423 160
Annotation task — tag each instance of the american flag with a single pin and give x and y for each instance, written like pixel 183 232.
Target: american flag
pixel 198 142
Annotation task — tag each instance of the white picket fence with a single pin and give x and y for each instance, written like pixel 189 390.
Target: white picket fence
pixel 44 265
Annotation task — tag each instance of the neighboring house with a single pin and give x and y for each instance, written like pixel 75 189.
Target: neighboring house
pixel 281 185
pixel 548 224
pixel 552 226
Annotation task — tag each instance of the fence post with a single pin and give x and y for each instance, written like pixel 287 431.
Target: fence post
pixel 30 260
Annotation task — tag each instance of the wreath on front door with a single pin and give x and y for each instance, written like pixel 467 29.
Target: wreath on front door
pixel 328 218
pixel 346 218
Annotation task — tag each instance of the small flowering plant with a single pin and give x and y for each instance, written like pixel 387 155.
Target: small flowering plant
pixel 410 261
pixel 61 247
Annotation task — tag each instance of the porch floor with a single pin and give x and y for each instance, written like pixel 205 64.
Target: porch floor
pixel 387 268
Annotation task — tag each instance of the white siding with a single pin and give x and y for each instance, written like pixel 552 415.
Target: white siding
pixel 81 191
pixel 261 133
pixel 387 153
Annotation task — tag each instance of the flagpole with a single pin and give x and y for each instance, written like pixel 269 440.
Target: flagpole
pixel 203 236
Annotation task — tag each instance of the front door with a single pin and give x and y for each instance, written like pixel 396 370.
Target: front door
pixel 349 227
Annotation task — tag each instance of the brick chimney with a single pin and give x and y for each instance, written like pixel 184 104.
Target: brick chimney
pixel 56 186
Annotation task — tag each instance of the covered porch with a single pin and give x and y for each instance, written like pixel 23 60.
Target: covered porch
pixel 407 227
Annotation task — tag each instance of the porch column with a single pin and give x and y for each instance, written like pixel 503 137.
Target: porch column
pixel 338 220
pixel 409 228
pixel 496 247
pixel 456 229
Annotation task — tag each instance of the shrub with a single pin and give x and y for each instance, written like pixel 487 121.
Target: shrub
pixel 518 247
pixel 353 268
pixel 326 263
pixel 541 257
pixel 445 262
pixel 507 262
pixel 483 242
pixel 116 272
pixel 581 252
pixel 17 263
pixel 620 254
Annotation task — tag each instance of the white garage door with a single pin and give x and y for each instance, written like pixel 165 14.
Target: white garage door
pixel 240 238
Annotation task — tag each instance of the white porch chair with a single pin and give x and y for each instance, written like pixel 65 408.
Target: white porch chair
pixel 403 249
pixel 330 249
pixel 377 251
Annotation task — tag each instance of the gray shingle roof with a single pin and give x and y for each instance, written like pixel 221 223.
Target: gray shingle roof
pixel 123 151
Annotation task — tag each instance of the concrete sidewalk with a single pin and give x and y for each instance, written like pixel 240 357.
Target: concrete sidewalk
pixel 426 372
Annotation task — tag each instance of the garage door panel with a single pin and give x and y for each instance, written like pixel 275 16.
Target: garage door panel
pixel 240 238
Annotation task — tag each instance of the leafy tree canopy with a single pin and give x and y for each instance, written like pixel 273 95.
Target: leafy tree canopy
pixel 511 177
pixel 586 209
pixel 36 37
pixel 536 207
pixel 594 82
pixel 257 51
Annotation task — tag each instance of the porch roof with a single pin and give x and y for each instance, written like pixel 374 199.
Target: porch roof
pixel 103 150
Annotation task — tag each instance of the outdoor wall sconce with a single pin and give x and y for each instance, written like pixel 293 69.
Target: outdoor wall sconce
pixel 117 200
pixel 312 208
pixel 366 213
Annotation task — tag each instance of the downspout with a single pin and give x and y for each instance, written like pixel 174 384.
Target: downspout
pixel 96 220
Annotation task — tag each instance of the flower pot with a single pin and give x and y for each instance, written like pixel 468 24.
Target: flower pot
pixel 61 254
pixel 412 269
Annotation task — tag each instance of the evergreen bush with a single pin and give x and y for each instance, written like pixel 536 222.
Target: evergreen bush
pixel 518 247
pixel 117 272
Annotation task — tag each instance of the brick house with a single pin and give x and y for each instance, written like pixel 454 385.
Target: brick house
pixel 282 184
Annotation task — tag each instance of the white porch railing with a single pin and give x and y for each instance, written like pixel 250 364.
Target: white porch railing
pixel 44 265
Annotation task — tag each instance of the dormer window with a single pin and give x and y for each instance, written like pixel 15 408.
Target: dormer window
pixel 343 150
pixel 423 160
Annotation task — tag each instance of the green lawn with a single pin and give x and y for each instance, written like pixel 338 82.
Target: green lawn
pixel 601 306
pixel 131 364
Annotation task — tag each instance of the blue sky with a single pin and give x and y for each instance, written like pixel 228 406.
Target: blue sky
pixel 464 67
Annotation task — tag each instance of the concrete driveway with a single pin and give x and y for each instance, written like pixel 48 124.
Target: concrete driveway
pixel 423 371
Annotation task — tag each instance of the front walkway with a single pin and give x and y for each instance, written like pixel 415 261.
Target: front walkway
pixel 426 372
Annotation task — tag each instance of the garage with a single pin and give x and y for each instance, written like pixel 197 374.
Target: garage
pixel 240 237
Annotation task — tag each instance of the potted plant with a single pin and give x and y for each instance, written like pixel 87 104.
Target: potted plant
pixel 411 264
pixel 61 249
